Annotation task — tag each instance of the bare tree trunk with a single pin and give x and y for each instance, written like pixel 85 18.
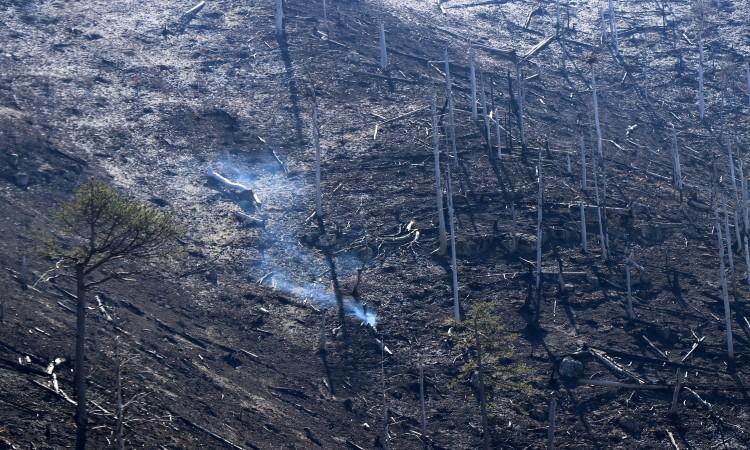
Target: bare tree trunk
pixel 451 113
pixel 473 79
pixel 316 141
pixel 539 216
pixel 438 176
pixel 596 115
pixel 279 17
pixel 602 28
pixel 613 27
pixel 383 50
pixel 325 19
pixel 602 234
pixel 628 256
pixel 583 162
pixel 79 371
pixel 584 243
pixel 482 399
pixel 728 235
pixel 454 266
pixel 701 95
pixel 724 293
pixel 747 69
pixel 498 135
pixel 737 204
pixel 676 168
pixel 485 111
pixel 522 131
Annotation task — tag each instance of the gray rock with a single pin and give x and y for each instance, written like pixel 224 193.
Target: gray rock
pixel 570 368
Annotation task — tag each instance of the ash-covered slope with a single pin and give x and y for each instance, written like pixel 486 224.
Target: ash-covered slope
pixel 226 338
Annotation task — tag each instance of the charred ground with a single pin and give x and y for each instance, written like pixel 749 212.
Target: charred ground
pixel 99 88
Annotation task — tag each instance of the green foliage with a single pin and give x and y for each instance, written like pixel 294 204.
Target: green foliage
pixel 500 371
pixel 99 226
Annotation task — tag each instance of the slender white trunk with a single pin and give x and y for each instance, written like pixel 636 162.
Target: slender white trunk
pixel 701 96
pixel 743 186
pixel 279 17
pixel 325 19
pixel 383 50
pixel 597 124
pixel 724 292
pixel 628 256
pixel 602 237
pixel 728 237
pixel 676 168
pixel 583 162
pixel 613 27
pixel 473 79
pixel 522 131
pixel 539 214
pixel 747 69
pixel 485 111
pixel 498 135
pixel 316 141
pixel 438 184
pixel 454 267
pixel 584 243
pixel 737 204
pixel 451 114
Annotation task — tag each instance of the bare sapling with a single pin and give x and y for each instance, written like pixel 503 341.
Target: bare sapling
pixel 498 135
pixel 383 48
pixel 597 124
pixel 613 27
pixel 473 80
pixel 485 111
pixel 602 232
pixel 701 94
pixel 727 234
pixel 451 112
pixel 521 91
pixel 724 290
pixel 316 142
pixel 629 298
pixel 539 216
pixel 584 243
pixel 279 18
pixel 735 190
pixel 438 184
pixel 454 267
pixel 583 162
pixel 676 168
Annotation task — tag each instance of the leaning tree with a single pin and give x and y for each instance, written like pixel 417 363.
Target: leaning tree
pixel 101 236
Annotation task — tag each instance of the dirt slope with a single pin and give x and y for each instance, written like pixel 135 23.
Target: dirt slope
pixel 225 338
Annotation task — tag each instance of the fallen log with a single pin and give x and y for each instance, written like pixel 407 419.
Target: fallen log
pixel 249 221
pixel 613 366
pixel 239 190
pixel 184 20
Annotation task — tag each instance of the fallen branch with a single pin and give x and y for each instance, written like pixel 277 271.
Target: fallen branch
pixel 612 365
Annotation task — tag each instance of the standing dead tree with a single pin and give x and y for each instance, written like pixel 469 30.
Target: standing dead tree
pixel 451 112
pixel 597 124
pixel 747 70
pixel 613 27
pixel 737 205
pixel 583 162
pixel 473 79
pixel 279 17
pixel 99 229
pixel 584 244
pixel 676 168
pixel 383 48
pixel 701 94
pixel 520 102
pixel 485 111
pixel 454 266
pixel 539 215
pixel 723 281
pixel 438 184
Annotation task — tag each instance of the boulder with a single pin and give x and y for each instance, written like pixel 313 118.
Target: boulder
pixel 570 368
